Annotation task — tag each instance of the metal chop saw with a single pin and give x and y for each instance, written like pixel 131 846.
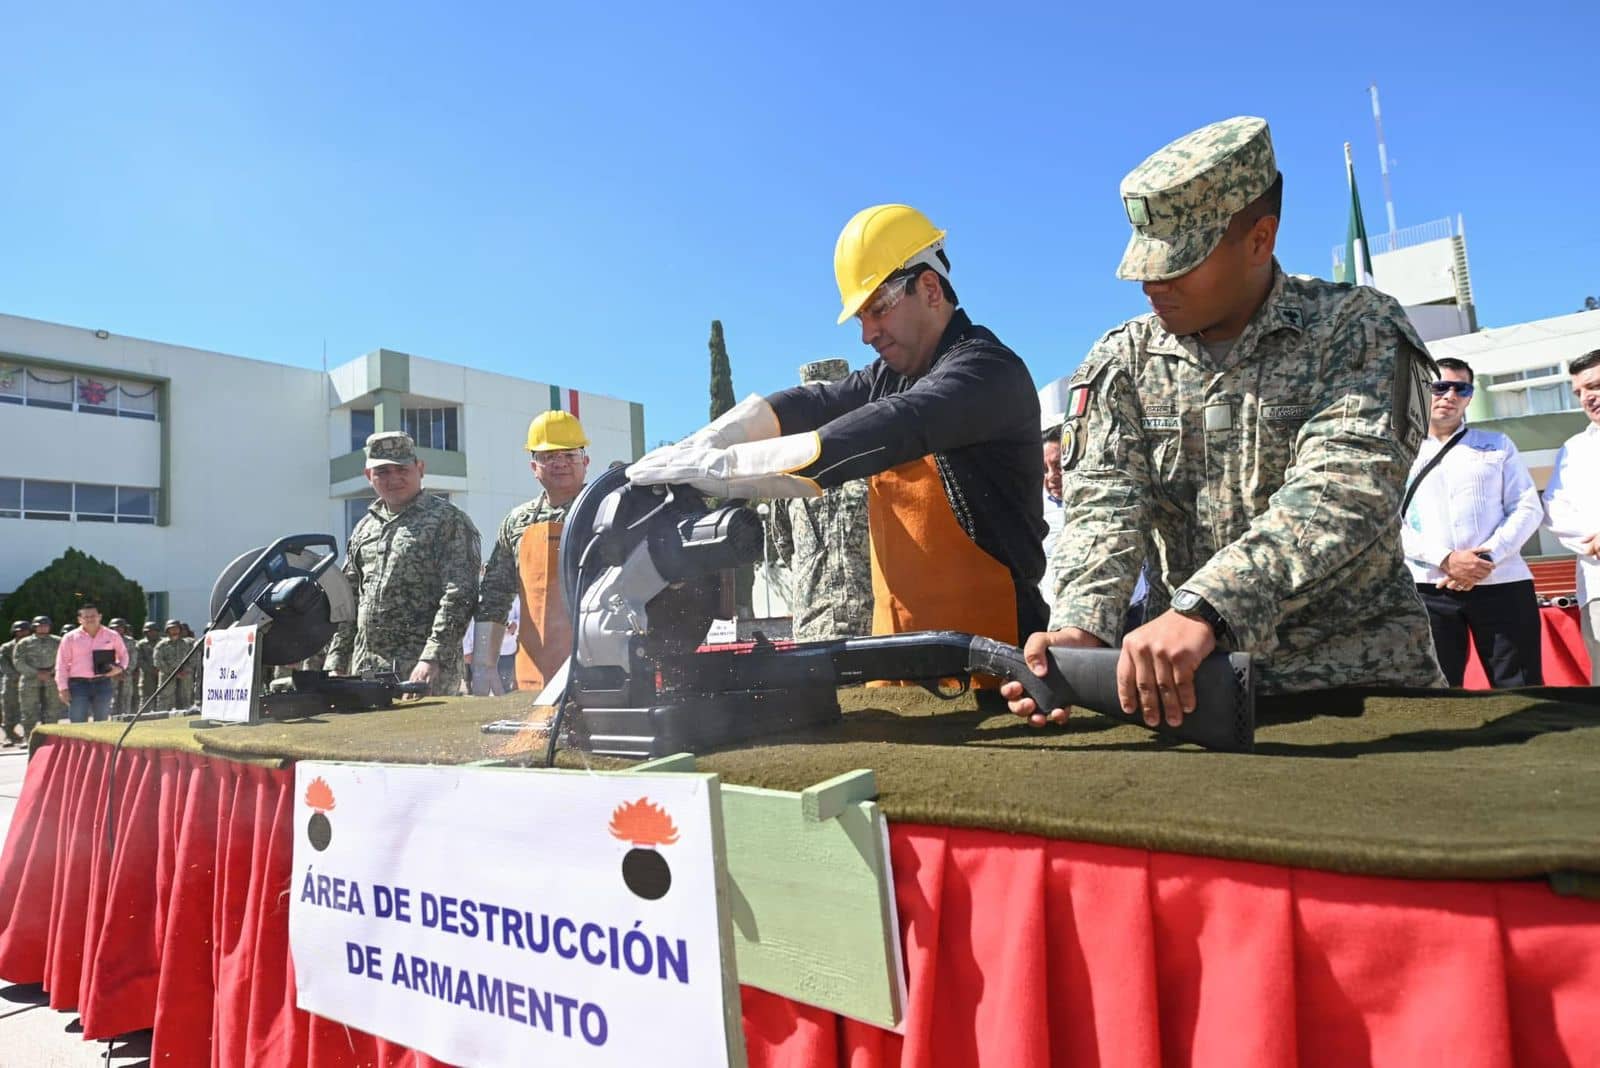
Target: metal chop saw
pixel 639 567
pixel 297 598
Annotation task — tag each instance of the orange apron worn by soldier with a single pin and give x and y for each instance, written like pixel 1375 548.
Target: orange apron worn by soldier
pixel 944 423
pixel 525 560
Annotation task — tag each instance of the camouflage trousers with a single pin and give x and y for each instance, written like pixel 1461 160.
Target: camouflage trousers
pixel 177 693
pixel 10 703
pixel 39 701
pixel 146 678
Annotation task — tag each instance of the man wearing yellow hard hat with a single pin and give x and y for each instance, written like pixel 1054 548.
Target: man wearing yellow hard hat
pixel 944 422
pixel 524 559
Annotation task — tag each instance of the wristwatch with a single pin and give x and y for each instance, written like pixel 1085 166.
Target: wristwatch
pixel 1191 604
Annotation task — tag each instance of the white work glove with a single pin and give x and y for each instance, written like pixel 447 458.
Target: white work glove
pixel 752 469
pixel 752 419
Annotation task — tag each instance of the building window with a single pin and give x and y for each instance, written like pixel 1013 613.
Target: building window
pixel 431 428
pixel 361 428
pixel 155 606
pixel 33 498
pixel 1509 404
pixel 46 500
pixel 38 387
pixel 95 504
pixel 1553 398
pixel 354 509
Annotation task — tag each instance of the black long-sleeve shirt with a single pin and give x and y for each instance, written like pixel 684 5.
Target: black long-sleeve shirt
pixel 975 410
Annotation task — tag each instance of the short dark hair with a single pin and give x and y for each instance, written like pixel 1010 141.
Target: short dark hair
pixel 1584 362
pixel 1450 363
pixel 1052 433
pixel 1268 203
pixel 945 287
pixel 88 606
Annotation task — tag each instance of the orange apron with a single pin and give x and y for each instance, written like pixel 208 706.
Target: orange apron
pixel 927 574
pixel 544 630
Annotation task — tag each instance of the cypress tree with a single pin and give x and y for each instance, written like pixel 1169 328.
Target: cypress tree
pixel 721 372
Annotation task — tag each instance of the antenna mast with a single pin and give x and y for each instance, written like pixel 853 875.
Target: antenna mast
pixel 1383 157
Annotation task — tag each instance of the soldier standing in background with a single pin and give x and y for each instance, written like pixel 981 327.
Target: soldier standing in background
pixel 824 546
pixel 127 684
pixel 524 565
pixel 145 666
pixel 10 699
pixel 1259 428
pixel 168 654
pixel 35 657
pixel 413 564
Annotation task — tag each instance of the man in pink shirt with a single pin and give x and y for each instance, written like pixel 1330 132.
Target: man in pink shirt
pixel 87 665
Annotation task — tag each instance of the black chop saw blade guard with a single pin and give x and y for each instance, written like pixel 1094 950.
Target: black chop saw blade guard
pixel 663 695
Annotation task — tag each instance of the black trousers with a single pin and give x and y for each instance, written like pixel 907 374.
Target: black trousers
pixel 1503 620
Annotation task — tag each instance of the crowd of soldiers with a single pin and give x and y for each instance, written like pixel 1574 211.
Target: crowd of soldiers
pixel 28 693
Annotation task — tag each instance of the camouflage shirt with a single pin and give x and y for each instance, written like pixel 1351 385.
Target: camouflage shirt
pixel 1269 480
pixel 8 667
pixel 146 654
pixel 36 652
pixel 169 653
pixel 501 582
pixel 415 577
pixel 823 543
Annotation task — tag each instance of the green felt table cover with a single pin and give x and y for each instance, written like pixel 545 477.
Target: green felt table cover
pixel 1429 785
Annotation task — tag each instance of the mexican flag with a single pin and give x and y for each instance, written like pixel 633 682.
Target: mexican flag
pixel 1357 266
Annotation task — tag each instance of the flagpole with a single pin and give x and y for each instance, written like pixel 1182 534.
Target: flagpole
pixel 1358 245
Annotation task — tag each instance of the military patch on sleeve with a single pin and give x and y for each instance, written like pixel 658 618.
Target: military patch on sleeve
pixel 1071 445
pixel 1077 402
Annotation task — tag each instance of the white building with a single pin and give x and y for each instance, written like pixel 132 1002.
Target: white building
pixel 167 462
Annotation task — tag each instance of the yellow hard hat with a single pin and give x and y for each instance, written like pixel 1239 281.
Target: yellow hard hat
pixel 877 242
pixel 555 430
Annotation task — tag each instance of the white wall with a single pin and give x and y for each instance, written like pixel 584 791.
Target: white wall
pixel 248 461
pixel 1421 274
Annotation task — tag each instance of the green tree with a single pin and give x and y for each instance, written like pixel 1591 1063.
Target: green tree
pixel 73 578
pixel 743 578
pixel 721 372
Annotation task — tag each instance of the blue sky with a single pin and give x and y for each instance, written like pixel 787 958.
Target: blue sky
pixel 572 195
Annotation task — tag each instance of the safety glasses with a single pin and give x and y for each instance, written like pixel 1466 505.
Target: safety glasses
pixel 890 293
pixel 1460 389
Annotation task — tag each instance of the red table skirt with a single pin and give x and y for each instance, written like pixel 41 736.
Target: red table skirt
pixel 1020 951
pixel 1564 658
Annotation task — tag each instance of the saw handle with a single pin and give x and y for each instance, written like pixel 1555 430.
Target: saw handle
pixel 1224 714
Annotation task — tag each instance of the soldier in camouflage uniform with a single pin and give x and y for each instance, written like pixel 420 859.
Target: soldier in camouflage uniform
pixel 144 665
pixel 10 699
pixel 823 544
pixel 412 563
pixel 127 683
pixel 1260 427
pixel 168 654
pixel 35 657
pixel 556 444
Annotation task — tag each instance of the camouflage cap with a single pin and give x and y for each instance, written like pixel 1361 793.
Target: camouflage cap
pixel 390 447
pixel 829 370
pixel 1182 198
pixel 117 621
pixel 42 621
pixel 20 624
pixel 151 624
pixel 173 623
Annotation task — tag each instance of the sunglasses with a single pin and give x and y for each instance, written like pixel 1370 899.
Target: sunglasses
pixel 1461 389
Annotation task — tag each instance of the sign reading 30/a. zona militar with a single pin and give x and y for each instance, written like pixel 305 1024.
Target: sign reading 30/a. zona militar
pixel 512 917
